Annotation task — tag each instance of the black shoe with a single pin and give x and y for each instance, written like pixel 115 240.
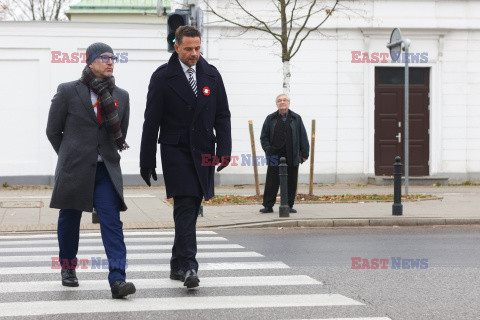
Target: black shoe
pixel 69 278
pixel 191 279
pixel 121 289
pixel 292 210
pixel 177 275
pixel 266 210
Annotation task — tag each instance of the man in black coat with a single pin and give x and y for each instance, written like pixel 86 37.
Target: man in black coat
pixel 283 135
pixel 186 100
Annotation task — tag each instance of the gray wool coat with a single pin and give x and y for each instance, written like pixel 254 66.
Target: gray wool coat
pixel 77 138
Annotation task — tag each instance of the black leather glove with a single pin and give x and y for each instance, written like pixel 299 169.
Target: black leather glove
pixel 146 173
pixel 224 162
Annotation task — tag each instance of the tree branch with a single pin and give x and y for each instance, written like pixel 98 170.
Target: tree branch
pixel 59 8
pixel 24 8
pixel 291 18
pixel 312 14
pixel 32 9
pixel 248 27
pixel 301 28
pixel 276 5
pixel 255 18
pixel 313 29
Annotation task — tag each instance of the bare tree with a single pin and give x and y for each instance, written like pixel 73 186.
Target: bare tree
pixel 291 23
pixel 43 10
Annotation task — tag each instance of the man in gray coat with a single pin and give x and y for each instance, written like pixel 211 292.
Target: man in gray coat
pixel 87 126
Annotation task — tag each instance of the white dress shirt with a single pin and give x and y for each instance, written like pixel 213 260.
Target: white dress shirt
pixel 185 70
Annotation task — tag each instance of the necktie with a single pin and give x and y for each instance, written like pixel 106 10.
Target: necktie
pixel 99 113
pixel 192 81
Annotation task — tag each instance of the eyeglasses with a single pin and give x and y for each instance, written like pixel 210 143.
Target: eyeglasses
pixel 106 59
pixel 282 100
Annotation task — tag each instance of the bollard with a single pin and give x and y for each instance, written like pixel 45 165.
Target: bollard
pixel 284 210
pixel 95 216
pixel 397 188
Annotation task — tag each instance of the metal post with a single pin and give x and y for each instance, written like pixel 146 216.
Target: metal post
pixel 95 216
pixel 397 188
pixel 254 158
pixel 312 158
pixel 284 208
pixel 406 44
pixel 395 47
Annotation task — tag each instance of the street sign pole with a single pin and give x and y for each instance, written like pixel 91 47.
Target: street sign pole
pixel 406 44
pixel 395 47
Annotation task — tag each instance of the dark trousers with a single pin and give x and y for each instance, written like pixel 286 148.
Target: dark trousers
pixel 272 184
pixel 184 250
pixel 107 204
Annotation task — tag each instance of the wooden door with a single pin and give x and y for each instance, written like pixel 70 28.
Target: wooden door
pixel 390 116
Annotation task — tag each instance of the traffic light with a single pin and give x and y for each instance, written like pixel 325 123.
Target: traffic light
pixel 175 20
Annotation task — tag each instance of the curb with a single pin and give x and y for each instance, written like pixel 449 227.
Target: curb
pixel 347 222
pixel 278 223
pixel 86 226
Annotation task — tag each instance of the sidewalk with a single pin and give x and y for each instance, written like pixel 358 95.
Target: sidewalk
pixel 27 209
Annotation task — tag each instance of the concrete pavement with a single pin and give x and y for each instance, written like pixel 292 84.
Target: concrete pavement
pixel 27 209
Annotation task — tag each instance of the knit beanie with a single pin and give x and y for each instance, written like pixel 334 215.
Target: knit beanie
pixel 95 50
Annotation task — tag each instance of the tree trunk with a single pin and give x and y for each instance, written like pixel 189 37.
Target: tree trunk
pixel 284 43
pixel 286 77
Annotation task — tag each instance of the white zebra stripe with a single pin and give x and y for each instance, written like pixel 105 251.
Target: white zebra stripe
pixel 154 267
pixel 127 240
pixel 97 234
pixel 130 248
pixel 35 308
pixel 136 256
pixel 207 282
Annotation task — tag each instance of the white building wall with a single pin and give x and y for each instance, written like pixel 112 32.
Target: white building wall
pixel 326 86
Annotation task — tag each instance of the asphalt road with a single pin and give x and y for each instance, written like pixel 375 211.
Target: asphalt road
pixel 431 273
pixel 448 288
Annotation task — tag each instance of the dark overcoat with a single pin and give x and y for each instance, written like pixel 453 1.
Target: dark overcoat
pixel 301 147
pixel 77 138
pixel 186 125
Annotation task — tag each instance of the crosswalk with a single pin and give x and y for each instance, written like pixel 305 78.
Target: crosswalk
pixel 245 283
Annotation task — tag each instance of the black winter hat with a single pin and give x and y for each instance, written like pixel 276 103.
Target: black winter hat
pixel 95 50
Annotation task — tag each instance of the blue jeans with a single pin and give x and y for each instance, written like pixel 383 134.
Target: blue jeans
pixel 107 203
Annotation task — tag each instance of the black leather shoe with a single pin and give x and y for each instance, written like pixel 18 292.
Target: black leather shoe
pixel 177 275
pixel 191 279
pixel 121 289
pixel 292 210
pixel 69 278
pixel 266 210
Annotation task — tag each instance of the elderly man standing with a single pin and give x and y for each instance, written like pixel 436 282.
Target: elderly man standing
pixel 186 101
pixel 283 135
pixel 87 126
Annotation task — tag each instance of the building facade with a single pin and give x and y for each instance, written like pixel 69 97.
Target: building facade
pixel 343 78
